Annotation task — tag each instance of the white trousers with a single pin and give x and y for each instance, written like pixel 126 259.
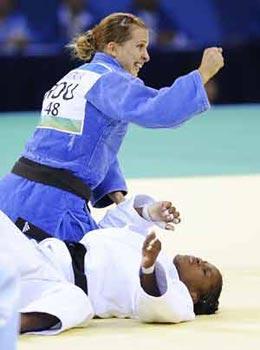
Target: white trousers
pixel 43 287
pixel 9 296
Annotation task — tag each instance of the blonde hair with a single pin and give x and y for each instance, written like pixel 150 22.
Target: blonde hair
pixel 115 27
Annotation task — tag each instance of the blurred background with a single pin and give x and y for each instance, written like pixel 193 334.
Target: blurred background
pixel 33 35
pixel 225 141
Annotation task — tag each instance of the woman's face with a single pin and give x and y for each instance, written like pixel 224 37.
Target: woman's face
pixel 133 54
pixel 198 275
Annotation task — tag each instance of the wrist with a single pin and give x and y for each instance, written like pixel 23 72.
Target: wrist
pixel 145 213
pixel 148 270
pixel 116 197
pixel 204 76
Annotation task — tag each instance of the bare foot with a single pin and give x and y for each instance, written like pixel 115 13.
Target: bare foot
pixel 151 249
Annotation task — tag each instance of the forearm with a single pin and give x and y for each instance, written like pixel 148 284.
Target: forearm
pixel 37 321
pixel 204 77
pixel 149 284
pixel 150 251
pixel 117 197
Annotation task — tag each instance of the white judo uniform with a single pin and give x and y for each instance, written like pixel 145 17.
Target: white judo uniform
pixel 9 296
pixel 112 268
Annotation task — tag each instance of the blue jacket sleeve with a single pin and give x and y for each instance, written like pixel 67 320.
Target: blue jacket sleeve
pixel 126 98
pixel 114 181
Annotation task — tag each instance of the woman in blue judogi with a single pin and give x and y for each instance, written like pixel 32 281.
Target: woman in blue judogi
pixel 72 156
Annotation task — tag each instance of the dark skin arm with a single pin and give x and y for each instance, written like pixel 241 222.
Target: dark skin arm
pixel 151 249
pixel 149 284
pixel 37 321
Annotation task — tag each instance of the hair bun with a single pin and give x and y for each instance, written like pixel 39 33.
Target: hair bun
pixel 84 46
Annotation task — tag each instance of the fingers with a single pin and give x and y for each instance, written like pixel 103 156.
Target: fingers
pixel 214 49
pixel 215 54
pixel 169 227
pixel 148 239
pixel 220 56
pixel 171 214
pixel 212 61
pixel 175 213
pixel 151 250
pixel 152 242
pixel 167 211
pixel 166 205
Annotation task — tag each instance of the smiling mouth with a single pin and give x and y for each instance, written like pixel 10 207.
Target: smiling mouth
pixel 138 66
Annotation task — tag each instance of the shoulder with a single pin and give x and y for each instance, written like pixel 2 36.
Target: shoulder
pixel 119 79
pixel 98 68
pixel 110 71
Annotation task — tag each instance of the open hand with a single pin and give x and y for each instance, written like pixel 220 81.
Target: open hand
pixel 151 249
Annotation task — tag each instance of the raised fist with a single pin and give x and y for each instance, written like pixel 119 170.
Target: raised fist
pixel 212 61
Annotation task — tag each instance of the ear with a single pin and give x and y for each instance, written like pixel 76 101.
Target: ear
pixel 194 296
pixel 111 49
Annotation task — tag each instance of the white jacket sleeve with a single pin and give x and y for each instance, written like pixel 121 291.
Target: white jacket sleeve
pixel 65 301
pixel 124 214
pixel 173 306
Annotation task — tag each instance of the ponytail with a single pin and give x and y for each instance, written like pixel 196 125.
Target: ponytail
pixel 84 46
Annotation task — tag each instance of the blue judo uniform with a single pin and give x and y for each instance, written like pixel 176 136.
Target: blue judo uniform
pixel 83 122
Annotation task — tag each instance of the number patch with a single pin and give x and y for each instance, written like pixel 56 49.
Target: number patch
pixel 64 104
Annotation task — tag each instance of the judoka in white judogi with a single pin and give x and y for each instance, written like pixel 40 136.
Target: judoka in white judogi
pixel 112 267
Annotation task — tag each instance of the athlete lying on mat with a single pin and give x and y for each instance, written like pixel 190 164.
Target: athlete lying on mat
pixel 123 273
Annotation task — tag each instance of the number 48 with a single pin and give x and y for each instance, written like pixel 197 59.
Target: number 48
pixel 52 108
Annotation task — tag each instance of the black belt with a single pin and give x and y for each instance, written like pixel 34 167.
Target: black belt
pixel 60 178
pixel 76 249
